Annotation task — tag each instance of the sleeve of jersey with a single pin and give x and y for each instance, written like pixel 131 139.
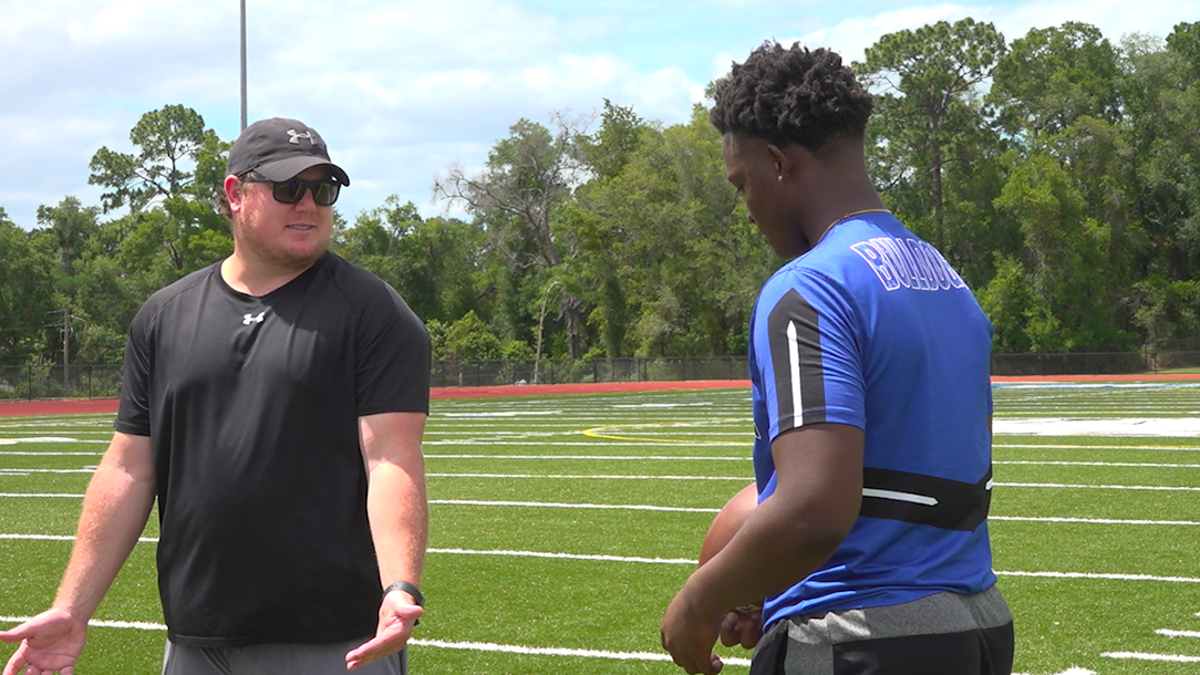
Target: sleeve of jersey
pixel 393 361
pixel 813 371
pixel 133 413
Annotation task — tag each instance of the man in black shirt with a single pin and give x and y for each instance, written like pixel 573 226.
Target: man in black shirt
pixel 274 404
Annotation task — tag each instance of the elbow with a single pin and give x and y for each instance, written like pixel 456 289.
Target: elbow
pixel 822 527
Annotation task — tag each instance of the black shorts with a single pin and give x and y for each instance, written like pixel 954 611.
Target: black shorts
pixel 942 634
pixel 289 659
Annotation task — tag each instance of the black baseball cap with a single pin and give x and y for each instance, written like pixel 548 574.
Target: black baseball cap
pixel 278 149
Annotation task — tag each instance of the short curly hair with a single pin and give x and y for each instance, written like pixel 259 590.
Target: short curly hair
pixel 792 95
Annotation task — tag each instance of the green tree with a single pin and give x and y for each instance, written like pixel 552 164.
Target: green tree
pixel 672 263
pixel 469 338
pixel 929 117
pixel 1064 260
pixel 170 186
pixel 433 264
pixel 27 304
pixel 1053 76
pixel 528 177
pixel 71 225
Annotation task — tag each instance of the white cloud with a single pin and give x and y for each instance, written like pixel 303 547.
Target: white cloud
pixel 403 90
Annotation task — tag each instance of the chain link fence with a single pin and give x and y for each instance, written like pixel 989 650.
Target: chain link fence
pixel 84 381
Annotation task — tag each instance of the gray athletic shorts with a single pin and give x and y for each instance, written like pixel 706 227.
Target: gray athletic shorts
pixel 275 659
pixel 941 634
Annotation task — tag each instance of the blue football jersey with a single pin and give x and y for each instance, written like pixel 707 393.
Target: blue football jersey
pixel 873 328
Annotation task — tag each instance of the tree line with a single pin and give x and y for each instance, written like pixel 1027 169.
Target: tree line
pixel 1059 173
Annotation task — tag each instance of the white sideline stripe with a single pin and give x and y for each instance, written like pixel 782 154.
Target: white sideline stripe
pixel 568 556
pixel 1095 521
pixel 1107 577
pixel 1078 446
pixel 600 442
pixel 62 537
pixel 586 476
pixel 137 625
pixel 1070 671
pixel 688 561
pixel 1071 486
pixel 555 505
pixel 445 644
pixel 1152 465
pixel 28 453
pixel 1138 656
pixel 38 439
pixel 1178 633
pixel 670 458
pixel 558 651
pixel 25 472
pixel 684 509
pixel 51 495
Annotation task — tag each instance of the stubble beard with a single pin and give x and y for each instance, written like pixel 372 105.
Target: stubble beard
pixel 249 241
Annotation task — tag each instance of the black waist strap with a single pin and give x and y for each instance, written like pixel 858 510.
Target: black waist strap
pixel 926 500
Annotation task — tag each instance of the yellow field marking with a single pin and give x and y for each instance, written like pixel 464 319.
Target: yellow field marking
pixel 605 433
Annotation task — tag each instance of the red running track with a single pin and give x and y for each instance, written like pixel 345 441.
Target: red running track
pixel 109 405
pixel 14 408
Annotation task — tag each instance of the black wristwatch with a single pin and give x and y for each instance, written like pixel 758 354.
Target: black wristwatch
pixel 407 588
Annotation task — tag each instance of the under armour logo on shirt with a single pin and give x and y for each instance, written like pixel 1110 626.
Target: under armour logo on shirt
pixel 295 137
pixel 250 318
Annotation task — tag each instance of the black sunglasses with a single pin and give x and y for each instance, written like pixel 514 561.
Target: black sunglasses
pixel 325 191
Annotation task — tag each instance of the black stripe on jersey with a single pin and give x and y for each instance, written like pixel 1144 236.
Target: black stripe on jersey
pixel 926 500
pixel 795 339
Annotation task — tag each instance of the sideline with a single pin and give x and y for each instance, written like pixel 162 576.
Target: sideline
pixel 107 405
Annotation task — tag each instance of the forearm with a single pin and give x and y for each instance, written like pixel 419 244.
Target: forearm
pixel 115 508
pixel 794 531
pixel 399 517
pixel 771 552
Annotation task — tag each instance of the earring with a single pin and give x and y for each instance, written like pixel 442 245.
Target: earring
pixel 780 179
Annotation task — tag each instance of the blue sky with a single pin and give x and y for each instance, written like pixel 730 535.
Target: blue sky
pixel 402 90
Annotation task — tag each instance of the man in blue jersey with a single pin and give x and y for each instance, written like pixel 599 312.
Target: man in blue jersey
pixel 869 363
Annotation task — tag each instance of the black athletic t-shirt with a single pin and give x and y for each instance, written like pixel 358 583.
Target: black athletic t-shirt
pixel 252 407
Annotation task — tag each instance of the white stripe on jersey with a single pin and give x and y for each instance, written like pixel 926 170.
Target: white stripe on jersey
pixel 794 371
pixel 900 496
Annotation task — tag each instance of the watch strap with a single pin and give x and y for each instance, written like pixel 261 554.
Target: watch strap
pixel 409 588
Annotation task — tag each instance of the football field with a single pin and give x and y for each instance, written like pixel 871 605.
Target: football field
pixel 561 526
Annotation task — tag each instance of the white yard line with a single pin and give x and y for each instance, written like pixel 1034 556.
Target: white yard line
pixel 446 644
pixel 685 561
pixel 1178 633
pixel 1138 656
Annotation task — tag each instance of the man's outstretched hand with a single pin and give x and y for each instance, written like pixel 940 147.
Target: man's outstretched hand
pixel 50 642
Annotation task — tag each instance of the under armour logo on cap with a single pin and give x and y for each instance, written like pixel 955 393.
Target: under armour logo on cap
pixel 272 149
